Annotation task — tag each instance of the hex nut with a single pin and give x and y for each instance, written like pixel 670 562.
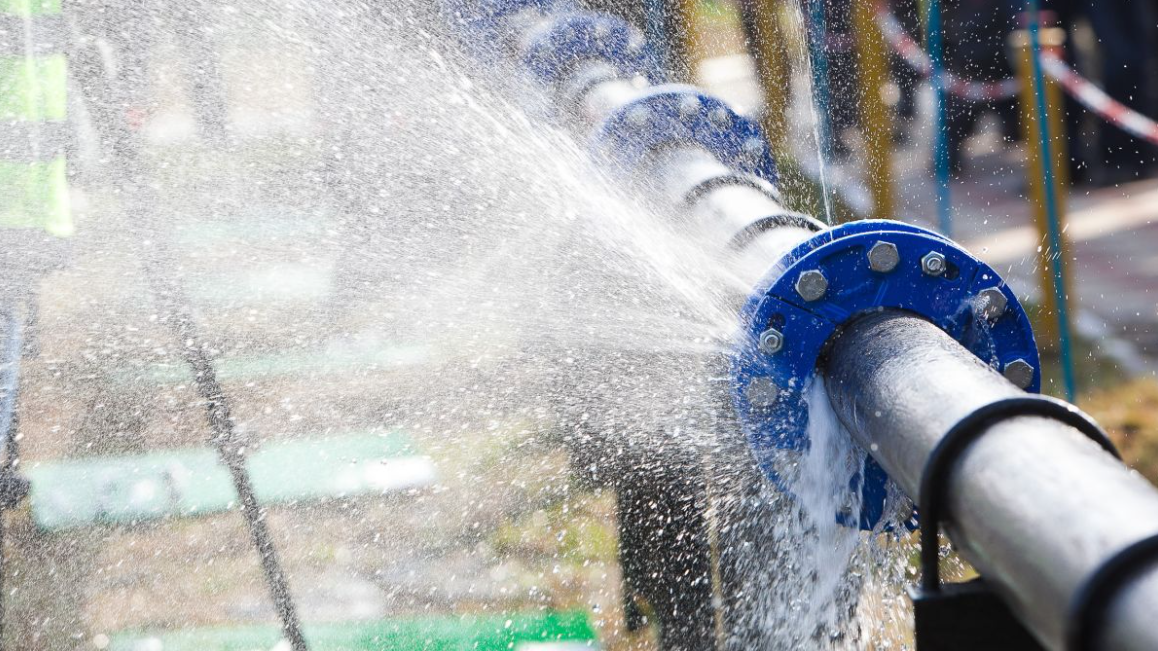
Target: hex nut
pixel 993 303
pixel 762 392
pixel 934 264
pixel 720 117
pixel 689 107
pixel 812 285
pixel 1019 372
pixel 883 257
pixel 638 116
pixel 752 147
pixel 771 341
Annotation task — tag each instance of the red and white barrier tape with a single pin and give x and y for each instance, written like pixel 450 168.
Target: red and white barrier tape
pixel 1083 90
pixel 1096 100
pixel 915 56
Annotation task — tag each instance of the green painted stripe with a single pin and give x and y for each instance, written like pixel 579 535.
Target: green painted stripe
pixel 35 195
pixel 34 88
pixel 26 8
pixel 279 365
pixel 192 482
pixel 502 632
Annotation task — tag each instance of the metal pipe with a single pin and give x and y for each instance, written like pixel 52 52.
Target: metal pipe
pixel 731 209
pixel 602 99
pixel 1034 505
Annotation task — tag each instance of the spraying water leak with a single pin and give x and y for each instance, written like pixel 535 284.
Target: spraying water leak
pixel 379 239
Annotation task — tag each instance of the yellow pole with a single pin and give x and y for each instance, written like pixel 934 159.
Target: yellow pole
pixel 770 52
pixel 876 120
pixel 1052 41
pixel 686 33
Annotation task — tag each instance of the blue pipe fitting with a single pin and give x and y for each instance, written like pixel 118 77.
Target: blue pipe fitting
pixel 836 275
pixel 576 37
pixel 675 114
pixel 482 22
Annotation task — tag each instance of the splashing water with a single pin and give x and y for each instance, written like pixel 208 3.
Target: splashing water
pixel 400 246
pixel 810 581
pixel 827 470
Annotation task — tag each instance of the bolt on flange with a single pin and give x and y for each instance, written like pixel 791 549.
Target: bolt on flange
pixel 720 117
pixel 883 257
pixel 993 303
pixel 639 116
pixel 1019 372
pixel 812 285
pixel 771 341
pixel 762 392
pixel 689 107
pixel 934 264
pixel 752 147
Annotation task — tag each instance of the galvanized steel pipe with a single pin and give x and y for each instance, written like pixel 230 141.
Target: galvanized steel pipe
pixel 1034 505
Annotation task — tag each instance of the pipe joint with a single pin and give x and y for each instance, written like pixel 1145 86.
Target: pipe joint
pixel 674 115
pixel 574 38
pixel 832 278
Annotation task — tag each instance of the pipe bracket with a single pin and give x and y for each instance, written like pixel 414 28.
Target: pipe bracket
pixel 824 283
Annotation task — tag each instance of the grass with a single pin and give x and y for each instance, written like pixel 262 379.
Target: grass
pixel 1126 407
pixel 1129 413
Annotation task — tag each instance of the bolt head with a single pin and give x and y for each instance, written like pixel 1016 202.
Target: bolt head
pixel 752 147
pixel 771 341
pixel 638 116
pixel 993 303
pixel 720 117
pixel 812 285
pixel 762 392
pixel 934 264
pixel 883 257
pixel 1019 372
pixel 689 107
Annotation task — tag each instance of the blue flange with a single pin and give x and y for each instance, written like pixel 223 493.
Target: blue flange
pixel 480 20
pixel 674 114
pixel 575 37
pixel 960 294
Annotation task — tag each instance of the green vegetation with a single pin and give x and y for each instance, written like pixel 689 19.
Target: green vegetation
pixel 1129 412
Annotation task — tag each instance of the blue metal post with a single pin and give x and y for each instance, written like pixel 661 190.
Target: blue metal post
pixel 1056 258
pixel 935 35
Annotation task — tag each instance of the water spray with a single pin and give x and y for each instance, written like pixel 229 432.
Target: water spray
pixel 926 353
